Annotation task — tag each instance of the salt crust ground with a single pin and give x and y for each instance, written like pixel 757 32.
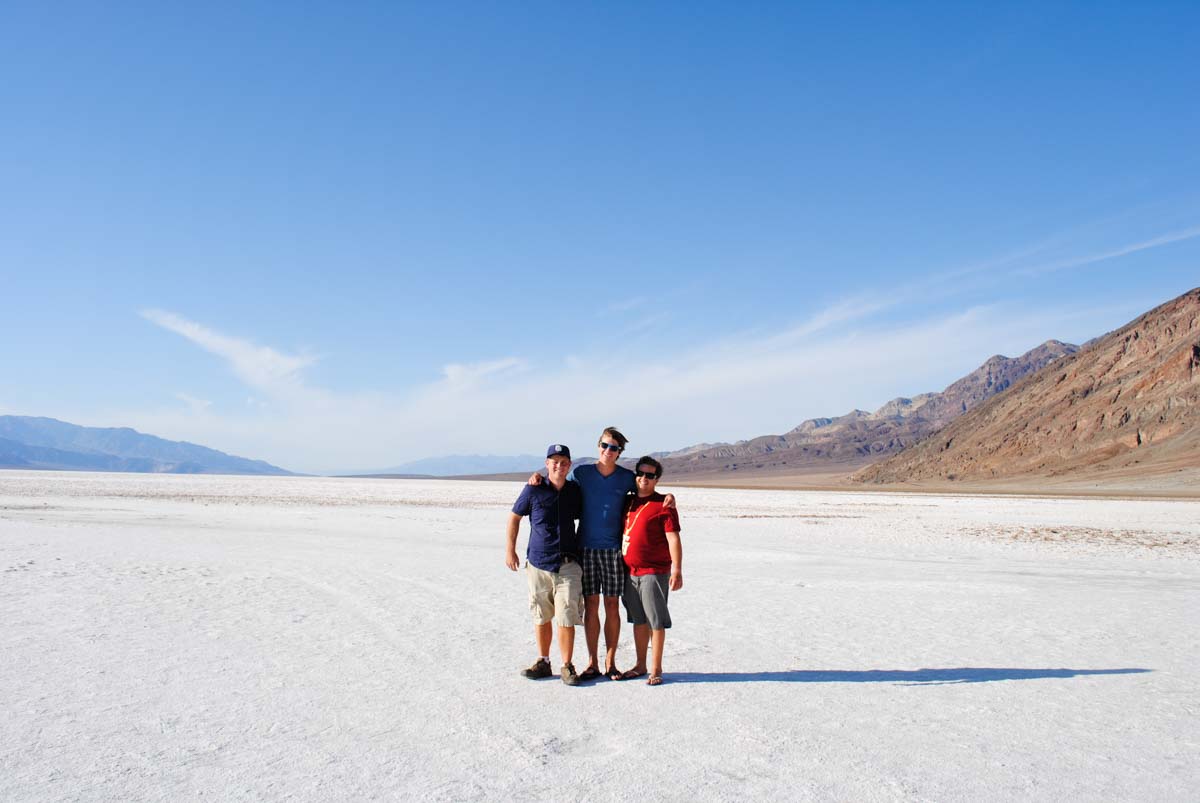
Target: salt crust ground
pixel 166 638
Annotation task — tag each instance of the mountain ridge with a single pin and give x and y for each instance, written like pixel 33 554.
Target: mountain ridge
pixel 1130 399
pixel 857 438
pixel 38 442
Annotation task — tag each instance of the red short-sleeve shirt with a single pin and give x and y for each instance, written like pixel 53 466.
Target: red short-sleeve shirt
pixel 647 523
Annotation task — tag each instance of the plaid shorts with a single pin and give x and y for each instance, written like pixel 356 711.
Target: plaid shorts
pixel 603 572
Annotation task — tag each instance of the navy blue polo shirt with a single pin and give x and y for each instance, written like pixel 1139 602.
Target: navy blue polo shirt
pixel 552 515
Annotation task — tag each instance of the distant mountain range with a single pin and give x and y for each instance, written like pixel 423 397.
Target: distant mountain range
pixel 46 443
pixel 1128 402
pixel 858 438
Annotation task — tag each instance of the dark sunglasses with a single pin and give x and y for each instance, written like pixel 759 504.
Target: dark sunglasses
pixel 650 475
pixel 610 447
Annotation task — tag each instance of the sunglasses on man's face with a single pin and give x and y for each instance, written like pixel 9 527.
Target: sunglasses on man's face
pixel 610 447
pixel 650 475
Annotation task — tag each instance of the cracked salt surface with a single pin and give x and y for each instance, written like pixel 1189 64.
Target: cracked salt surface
pixel 264 638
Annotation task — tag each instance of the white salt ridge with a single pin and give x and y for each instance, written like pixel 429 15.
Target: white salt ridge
pixel 266 638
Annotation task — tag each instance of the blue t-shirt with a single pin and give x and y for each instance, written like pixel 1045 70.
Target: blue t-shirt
pixel 552 515
pixel 600 526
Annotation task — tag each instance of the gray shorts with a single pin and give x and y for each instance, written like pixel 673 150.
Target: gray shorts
pixel 645 600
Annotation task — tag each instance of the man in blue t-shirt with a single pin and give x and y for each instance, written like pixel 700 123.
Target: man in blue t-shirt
pixel 604 485
pixel 552 561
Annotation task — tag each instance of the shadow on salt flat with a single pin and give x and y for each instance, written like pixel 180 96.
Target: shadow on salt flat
pixel 903 677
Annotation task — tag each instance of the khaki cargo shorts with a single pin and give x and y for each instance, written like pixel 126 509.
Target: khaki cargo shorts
pixel 556 596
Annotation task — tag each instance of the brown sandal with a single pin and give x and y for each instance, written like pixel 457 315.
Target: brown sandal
pixel 654 680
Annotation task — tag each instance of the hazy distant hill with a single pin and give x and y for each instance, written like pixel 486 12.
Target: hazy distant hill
pixel 46 443
pixel 458 465
pixel 859 438
pixel 1128 401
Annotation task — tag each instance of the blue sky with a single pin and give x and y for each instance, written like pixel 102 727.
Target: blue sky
pixel 350 235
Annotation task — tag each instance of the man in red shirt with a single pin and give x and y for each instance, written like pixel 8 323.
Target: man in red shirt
pixel 654 555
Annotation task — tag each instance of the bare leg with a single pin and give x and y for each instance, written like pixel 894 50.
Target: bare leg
pixel 612 631
pixel 657 639
pixel 566 643
pixel 591 627
pixel 541 634
pixel 641 639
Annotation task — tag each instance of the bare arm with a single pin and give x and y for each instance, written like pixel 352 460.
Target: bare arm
pixel 675 546
pixel 510 553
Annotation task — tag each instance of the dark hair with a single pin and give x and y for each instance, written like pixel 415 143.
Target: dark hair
pixel 649 461
pixel 616 435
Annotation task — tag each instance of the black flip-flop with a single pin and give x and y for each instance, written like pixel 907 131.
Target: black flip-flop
pixel 614 674
pixel 591 673
pixel 633 674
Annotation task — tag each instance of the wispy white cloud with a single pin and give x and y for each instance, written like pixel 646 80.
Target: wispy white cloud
pixel 624 305
pixel 842 312
pixel 1114 253
pixel 261 367
pixel 998 264
pixel 470 373
pixel 646 323
pixel 197 406
pixel 721 389
pixel 1047 254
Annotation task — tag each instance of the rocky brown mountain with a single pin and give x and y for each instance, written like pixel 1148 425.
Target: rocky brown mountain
pixel 858 437
pixel 1127 401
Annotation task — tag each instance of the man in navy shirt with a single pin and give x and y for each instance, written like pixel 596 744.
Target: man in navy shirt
pixel 552 564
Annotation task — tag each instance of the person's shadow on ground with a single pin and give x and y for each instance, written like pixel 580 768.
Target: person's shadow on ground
pixel 904 677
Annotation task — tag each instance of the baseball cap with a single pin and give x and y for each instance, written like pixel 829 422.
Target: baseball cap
pixel 558 450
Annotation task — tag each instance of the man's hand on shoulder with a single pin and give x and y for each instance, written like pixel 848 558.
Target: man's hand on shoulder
pixel 669 501
pixel 535 479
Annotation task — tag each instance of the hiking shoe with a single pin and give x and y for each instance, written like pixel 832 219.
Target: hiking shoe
pixel 568 675
pixel 540 669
